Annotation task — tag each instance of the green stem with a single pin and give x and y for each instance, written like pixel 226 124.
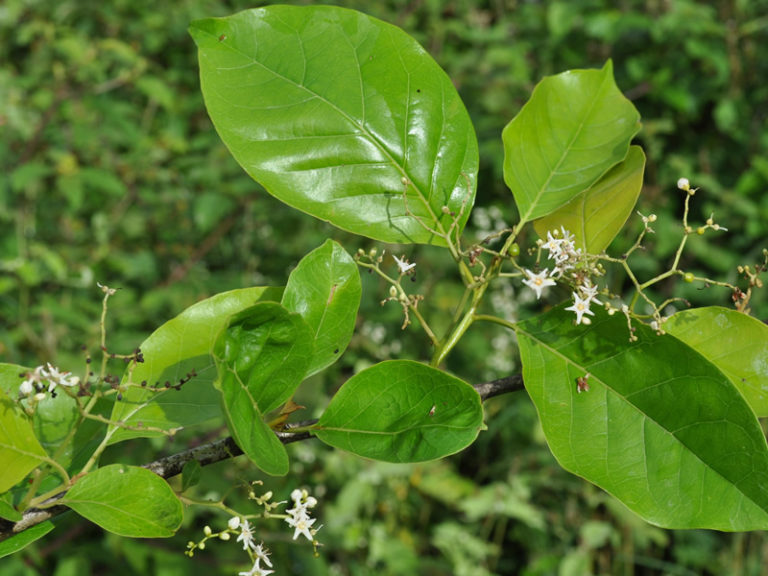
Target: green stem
pixel 495 320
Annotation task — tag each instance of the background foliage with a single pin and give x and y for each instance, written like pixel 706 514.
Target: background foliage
pixel 113 173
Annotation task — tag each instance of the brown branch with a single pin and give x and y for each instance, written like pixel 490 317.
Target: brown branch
pixel 217 451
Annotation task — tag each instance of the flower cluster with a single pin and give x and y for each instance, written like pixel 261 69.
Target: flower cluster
pixel 257 551
pixel 561 248
pixel 298 516
pixel 45 379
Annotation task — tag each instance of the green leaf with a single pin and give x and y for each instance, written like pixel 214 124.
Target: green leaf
pixel 660 427
pixel 342 116
pixel 23 539
pixel 254 437
pixel 596 216
pixel 402 411
pixel 576 126
pixel 7 510
pixel 262 357
pixel 178 348
pixel 267 349
pixel 734 342
pixel 325 290
pixel 20 451
pixel 128 501
pixel 190 474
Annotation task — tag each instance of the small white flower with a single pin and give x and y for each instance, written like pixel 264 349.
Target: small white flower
pixel 580 307
pixel 537 282
pixel 589 291
pixel 26 388
pixel 552 245
pixel 261 554
pixel 234 523
pixel 257 570
pixel 246 535
pixel 403 264
pixel 301 526
pixel 684 184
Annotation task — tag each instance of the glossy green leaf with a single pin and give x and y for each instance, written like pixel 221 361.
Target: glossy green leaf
pixel 267 350
pixel 734 342
pixel 597 215
pixel 20 451
pixel 126 500
pixel 660 427
pixel 342 116
pixel 262 357
pixel 23 539
pixel 402 411
pixel 179 348
pixel 575 127
pixel 325 290
pixel 245 421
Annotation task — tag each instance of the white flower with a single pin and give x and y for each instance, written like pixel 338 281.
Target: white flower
pixel 301 525
pixel 261 554
pixel 552 244
pixel 257 570
pixel 683 184
pixel 61 378
pixel 246 535
pixel 26 388
pixel 537 282
pixel 300 519
pixel 403 264
pixel 234 523
pixel 580 307
pixel 589 291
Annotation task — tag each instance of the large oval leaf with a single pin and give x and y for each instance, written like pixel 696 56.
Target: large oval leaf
pixel 325 289
pixel 180 347
pixel 575 127
pixel 128 501
pixel 342 116
pixel 596 216
pixel 402 411
pixel 660 427
pixel 734 342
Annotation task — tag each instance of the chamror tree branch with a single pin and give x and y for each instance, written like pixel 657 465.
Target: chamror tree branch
pixel 170 466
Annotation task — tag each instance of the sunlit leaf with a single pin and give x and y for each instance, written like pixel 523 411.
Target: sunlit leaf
pixel 575 127
pixel 342 116
pixel 734 342
pixel 660 427
pixel 126 500
pixel 402 411
pixel 20 451
pixel 597 215
pixel 325 290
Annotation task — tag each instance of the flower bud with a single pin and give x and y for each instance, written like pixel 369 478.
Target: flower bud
pixel 684 184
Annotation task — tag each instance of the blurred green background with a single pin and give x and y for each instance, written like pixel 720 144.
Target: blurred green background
pixel 112 173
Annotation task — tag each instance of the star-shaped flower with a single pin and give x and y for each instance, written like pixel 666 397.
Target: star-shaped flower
pixel 404 265
pixel 581 307
pixel 537 282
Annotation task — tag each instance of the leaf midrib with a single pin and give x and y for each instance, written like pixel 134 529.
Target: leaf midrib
pixel 646 416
